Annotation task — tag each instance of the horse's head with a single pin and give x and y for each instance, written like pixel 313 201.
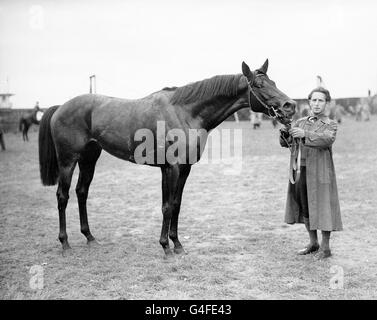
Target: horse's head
pixel 265 97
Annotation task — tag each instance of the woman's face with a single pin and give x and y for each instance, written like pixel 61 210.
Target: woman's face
pixel 318 103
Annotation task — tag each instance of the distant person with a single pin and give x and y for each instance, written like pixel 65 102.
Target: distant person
pixel 339 111
pixel 366 112
pixel 256 119
pixel 27 120
pixel 38 112
pixel 313 199
pixel 358 111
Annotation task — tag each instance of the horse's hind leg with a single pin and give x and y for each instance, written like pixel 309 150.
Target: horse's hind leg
pixel 87 163
pixel 62 194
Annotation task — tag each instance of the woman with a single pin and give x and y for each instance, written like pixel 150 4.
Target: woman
pixel 313 199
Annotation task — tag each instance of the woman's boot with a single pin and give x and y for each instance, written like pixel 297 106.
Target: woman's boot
pixel 325 251
pixel 313 245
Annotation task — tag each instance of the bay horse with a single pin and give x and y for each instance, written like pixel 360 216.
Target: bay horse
pixel 26 121
pixel 77 131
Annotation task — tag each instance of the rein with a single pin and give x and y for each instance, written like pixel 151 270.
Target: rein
pixel 295 160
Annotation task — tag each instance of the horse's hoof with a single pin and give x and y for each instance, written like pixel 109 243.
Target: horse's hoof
pixel 169 258
pixel 67 251
pixel 179 250
pixel 168 254
pixel 66 246
pixel 93 244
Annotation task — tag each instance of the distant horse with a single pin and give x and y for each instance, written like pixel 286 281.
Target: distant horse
pixel 77 131
pixel 27 120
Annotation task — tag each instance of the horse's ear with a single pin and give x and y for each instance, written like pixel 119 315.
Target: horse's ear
pixel 246 71
pixel 264 68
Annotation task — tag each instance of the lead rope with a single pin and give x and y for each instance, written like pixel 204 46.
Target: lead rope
pixel 295 162
pixel 295 159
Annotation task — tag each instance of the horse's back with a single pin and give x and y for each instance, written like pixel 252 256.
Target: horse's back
pixel 116 122
pixel 111 122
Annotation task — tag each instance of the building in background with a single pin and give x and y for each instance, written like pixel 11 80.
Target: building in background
pixel 5 95
pixel 5 102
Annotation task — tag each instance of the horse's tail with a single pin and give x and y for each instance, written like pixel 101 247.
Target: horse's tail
pixel 48 162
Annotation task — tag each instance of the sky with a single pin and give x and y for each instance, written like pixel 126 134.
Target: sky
pixel 48 49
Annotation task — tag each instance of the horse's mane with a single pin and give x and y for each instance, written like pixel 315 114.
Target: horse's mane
pixel 226 85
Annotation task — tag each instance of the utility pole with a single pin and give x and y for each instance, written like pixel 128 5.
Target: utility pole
pixel 92 80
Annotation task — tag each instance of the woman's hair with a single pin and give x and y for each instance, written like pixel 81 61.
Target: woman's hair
pixel 322 90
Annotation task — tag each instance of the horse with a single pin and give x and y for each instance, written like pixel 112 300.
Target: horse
pixel 77 131
pixel 27 120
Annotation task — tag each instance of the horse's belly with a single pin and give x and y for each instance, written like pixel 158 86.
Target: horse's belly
pixel 151 153
pixel 120 147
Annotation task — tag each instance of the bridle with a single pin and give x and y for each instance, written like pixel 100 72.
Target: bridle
pixel 295 147
pixel 255 100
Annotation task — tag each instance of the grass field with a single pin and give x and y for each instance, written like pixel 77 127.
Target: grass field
pixel 231 226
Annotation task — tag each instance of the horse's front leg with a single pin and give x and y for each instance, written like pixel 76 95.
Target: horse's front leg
pixel 184 171
pixel 170 175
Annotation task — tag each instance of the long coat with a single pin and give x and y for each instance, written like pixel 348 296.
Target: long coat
pixel 323 201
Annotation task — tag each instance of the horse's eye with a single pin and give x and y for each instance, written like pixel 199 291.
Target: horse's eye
pixel 258 83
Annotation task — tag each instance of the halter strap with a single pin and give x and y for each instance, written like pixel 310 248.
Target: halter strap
pixel 255 100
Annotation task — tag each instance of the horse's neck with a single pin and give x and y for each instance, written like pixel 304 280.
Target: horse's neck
pixel 218 109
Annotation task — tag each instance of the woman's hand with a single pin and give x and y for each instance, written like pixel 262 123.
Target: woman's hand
pixel 297 132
